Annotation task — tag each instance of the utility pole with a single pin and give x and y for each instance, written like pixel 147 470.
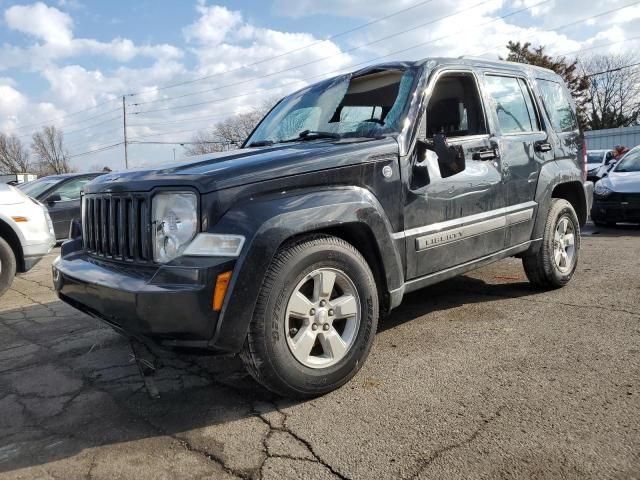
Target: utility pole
pixel 124 125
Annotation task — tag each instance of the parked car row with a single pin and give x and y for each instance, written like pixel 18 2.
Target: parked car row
pixel 617 193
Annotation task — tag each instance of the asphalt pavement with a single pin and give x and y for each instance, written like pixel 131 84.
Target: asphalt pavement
pixel 478 377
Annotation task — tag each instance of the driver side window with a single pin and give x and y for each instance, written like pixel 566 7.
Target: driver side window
pixel 71 190
pixel 455 108
pixel 454 111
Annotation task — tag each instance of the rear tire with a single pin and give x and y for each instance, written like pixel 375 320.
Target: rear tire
pixel 556 260
pixel 7 266
pixel 315 319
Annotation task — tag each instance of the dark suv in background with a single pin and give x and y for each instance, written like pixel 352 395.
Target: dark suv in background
pixel 61 195
pixel 349 194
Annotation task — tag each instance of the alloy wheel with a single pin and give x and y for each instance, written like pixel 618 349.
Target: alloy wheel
pixel 322 318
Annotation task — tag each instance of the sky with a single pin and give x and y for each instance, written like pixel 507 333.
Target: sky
pixel 184 65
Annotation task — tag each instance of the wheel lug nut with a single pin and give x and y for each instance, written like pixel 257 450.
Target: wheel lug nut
pixel 325 327
pixel 331 312
pixel 314 327
pixel 312 311
pixel 293 332
pixel 322 303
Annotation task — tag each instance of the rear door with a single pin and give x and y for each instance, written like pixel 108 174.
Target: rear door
pixel 524 147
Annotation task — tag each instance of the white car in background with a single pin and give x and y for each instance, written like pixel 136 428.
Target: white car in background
pixel 26 234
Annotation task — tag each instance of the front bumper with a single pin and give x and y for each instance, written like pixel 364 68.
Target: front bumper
pixel 606 211
pixel 169 305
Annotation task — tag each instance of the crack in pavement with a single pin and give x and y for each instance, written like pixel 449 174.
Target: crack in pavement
pixel 284 428
pixel 423 465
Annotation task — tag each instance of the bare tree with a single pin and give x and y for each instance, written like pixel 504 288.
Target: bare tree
pixel 48 148
pixel 229 133
pixel 614 91
pixel 14 157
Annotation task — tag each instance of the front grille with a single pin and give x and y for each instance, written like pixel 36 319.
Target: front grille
pixel 633 198
pixel 117 226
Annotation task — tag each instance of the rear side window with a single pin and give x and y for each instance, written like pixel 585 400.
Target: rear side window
pixel 513 104
pixel 558 105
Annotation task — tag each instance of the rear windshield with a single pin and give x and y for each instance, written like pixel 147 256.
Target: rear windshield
pixel 594 157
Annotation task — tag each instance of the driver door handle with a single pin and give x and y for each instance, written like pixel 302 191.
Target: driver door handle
pixel 542 146
pixel 486 154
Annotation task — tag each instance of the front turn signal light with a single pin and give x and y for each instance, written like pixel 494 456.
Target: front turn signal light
pixel 222 283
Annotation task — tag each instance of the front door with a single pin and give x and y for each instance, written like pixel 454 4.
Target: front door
pixel 454 213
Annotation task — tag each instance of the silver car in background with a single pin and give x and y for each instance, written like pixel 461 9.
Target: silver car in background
pixel 595 160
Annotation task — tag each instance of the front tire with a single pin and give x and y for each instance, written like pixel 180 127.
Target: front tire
pixel 315 319
pixel 556 260
pixel 7 266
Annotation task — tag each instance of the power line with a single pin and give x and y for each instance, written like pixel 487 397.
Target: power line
pixel 294 67
pixel 631 39
pixel 96 150
pixel 258 62
pixel 185 120
pixel 64 116
pixel 577 22
pixel 613 69
pixel 348 67
pixel 74 123
pixel 187 142
pixel 88 141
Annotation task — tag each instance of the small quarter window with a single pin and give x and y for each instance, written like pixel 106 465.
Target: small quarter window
pixel 558 106
pixel 513 104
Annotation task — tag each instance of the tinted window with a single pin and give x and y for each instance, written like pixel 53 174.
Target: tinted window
pixel 558 106
pixel 37 187
pixel 71 190
pixel 513 104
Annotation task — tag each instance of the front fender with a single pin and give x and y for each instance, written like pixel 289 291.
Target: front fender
pixel 268 222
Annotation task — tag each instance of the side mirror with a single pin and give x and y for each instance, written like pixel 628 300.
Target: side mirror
pixel 53 198
pixel 75 228
pixel 450 158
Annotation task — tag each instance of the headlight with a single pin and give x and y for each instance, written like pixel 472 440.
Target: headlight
pixel 215 245
pixel 175 223
pixel 601 190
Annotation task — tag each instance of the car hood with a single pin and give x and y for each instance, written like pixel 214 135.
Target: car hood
pixel 623 182
pixel 248 165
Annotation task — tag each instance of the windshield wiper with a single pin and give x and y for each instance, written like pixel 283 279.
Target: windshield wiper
pixel 261 143
pixel 313 134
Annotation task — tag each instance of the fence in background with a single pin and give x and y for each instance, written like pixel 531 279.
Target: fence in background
pixel 609 138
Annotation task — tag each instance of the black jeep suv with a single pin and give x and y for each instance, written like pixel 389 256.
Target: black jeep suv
pixel 349 194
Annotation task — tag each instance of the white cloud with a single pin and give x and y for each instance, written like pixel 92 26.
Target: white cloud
pixel 54 31
pixel 213 26
pixel 220 41
pixel 43 22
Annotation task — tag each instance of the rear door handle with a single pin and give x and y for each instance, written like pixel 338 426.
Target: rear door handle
pixel 488 154
pixel 542 146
